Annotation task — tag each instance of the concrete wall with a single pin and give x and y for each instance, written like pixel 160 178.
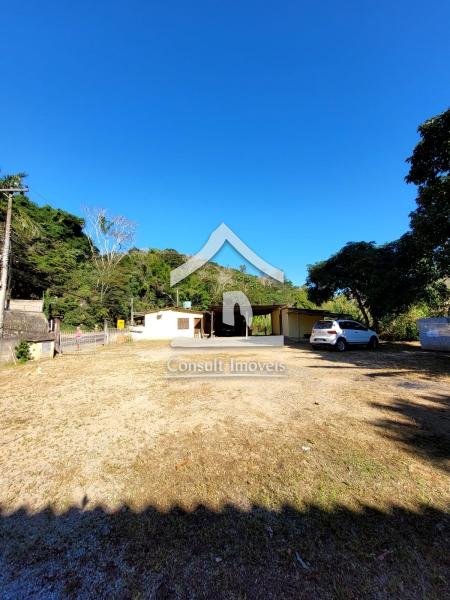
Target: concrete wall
pixel 7 352
pixel 163 325
pixel 38 350
pixel 35 306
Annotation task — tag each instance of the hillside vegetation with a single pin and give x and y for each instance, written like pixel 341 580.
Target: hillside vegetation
pixel 52 257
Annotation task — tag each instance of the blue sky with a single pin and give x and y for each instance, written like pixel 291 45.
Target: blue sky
pixel 289 121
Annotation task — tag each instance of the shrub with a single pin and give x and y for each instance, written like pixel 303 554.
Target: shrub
pixel 23 352
pixel 403 326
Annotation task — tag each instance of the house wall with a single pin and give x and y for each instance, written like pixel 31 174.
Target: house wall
pixel 40 350
pixel 164 326
pixel 296 325
pixel 306 324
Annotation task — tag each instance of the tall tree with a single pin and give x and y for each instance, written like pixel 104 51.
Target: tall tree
pixel 382 280
pixel 109 239
pixel 430 171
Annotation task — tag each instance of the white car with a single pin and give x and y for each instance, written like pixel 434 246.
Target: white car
pixel 341 334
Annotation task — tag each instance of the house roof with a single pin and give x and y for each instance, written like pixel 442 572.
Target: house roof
pixel 20 322
pixel 28 326
pixel 173 309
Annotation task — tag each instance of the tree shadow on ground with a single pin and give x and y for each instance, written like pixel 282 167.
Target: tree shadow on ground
pixel 392 358
pixel 230 554
pixel 423 427
pixel 421 422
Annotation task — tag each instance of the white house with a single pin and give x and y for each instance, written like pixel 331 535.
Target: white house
pixel 169 323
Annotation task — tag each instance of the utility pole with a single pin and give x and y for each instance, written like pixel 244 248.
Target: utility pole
pixel 5 253
pixel 178 298
pixel 132 312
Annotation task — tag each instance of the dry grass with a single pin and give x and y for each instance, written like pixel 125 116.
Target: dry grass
pixel 330 482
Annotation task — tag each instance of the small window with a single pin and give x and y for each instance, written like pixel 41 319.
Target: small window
pixel 323 325
pixel 183 323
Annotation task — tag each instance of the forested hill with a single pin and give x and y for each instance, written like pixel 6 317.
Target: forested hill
pixel 47 244
pixel 51 256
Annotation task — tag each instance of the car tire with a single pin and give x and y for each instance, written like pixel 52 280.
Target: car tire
pixel 341 345
pixel 373 343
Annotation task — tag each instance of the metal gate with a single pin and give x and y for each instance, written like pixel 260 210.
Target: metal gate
pixel 83 340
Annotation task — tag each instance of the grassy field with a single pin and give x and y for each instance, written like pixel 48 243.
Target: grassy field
pixel 331 481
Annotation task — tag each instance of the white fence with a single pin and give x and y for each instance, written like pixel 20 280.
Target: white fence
pixel 78 341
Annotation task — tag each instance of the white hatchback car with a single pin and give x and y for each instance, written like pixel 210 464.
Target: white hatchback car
pixel 341 334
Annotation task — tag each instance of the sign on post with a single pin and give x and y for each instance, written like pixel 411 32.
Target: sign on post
pixel 120 324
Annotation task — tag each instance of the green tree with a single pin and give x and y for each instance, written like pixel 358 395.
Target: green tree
pixel 47 245
pixel 381 280
pixel 429 170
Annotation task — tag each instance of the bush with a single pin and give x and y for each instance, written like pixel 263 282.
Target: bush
pixel 23 353
pixel 342 305
pixel 404 327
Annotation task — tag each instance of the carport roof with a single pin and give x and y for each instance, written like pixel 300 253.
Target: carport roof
pixel 317 312
pixel 257 309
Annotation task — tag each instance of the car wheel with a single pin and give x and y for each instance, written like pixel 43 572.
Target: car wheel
pixel 341 345
pixel 373 343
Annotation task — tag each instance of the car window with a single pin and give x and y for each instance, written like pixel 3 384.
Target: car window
pixel 358 326
pixel 346 324
pixel 323 325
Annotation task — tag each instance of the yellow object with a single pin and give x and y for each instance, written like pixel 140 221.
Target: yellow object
pixel 120 324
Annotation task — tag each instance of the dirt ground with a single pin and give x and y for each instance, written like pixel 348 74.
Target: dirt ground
pixel 328 480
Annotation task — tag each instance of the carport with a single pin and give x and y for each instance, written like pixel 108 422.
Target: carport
pixel 215 327
pixel 297 323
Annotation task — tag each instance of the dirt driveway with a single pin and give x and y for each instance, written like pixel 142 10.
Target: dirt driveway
pixel 330 480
